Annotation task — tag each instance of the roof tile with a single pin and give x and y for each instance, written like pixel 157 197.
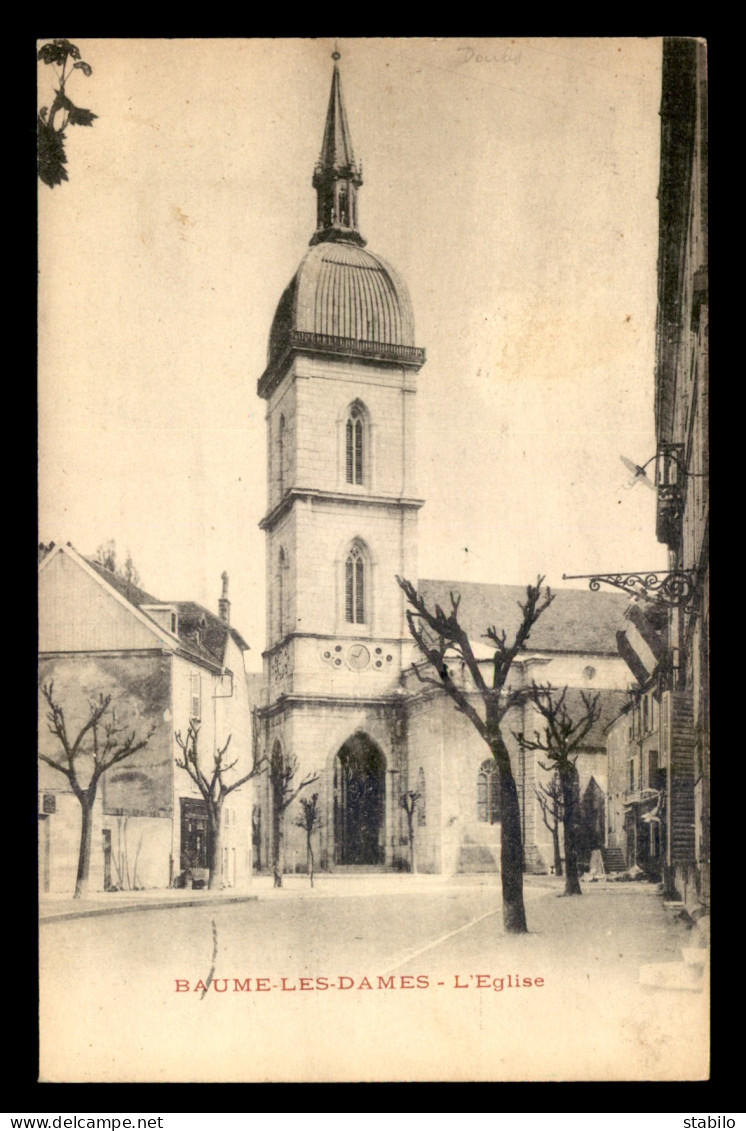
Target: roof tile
pixel 576 621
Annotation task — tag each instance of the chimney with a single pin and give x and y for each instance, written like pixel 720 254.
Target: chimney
pixel 224 605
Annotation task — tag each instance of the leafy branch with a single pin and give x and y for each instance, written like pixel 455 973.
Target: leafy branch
pixel 64 58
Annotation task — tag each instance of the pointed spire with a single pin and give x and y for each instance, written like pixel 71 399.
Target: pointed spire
pixel 337 175
pixel 336 148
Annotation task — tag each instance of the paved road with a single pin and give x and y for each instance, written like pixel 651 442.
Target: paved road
pixel 122 995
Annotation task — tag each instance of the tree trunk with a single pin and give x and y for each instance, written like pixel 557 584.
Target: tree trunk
pixel 410 830
pixel 86 838
pixel 557 853
pixel 570 801
pixel 511 848
pixel 215 862
pixel 309 853
pixel 277 838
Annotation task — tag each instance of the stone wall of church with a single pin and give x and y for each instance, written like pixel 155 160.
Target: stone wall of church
pixel 281 573
pixel 281 437
pixel 326 389
pixel 306 555
pixel 459 833
pixel 325 533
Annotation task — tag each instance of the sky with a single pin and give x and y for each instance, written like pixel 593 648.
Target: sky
pixel 512 183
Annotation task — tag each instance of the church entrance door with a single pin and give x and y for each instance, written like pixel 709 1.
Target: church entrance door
pixel 359 802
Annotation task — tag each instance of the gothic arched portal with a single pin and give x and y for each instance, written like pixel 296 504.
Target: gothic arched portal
pixel 359 802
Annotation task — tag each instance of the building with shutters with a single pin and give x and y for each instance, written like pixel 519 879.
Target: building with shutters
pixel 681 411
pixel 340 388
pixel 659 749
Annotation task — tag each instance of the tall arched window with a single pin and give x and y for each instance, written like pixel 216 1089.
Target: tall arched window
pixel 422 802
pixel 355 599
pixel 355 442
pixel 488 793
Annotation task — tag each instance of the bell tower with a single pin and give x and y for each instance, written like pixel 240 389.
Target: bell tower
pixel 337 176
pixel 341 519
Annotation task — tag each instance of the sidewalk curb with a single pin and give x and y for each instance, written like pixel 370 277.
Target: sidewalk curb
pixel 90 913
pixel 285 894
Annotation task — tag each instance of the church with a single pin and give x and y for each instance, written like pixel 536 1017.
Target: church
pixel 340 694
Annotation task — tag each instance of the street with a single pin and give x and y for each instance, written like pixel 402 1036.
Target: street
pixel 398 984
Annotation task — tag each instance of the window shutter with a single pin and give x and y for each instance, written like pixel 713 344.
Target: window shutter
pixel 665 729
pixel 196 699
pixel 358 450
pixel 350 452
pixel 349 591
pixel 359 591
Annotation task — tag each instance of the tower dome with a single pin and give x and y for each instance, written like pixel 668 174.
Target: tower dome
pixel 341 290
pixel 343 298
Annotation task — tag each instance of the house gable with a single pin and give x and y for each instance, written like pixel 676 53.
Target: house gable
pixel 80 613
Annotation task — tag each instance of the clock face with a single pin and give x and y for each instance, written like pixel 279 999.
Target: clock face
pixel 358 657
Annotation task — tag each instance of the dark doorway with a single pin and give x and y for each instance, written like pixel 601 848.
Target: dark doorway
pixel 106 834
pixel 193 833
pixel 359 802
pixel 256 836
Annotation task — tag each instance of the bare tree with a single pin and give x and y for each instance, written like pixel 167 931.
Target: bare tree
pixel 106 556
pixel 560 742
pixel 129 570
pixel 282 772
pixel 440 638
pixel 309 820
pixel 214 789
pixel 99 744
pixel 408 803
pixel 549 796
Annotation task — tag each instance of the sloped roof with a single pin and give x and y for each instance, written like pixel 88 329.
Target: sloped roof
pixel 204 641
pixel 212 633
pixel 125 588
pixel 576 621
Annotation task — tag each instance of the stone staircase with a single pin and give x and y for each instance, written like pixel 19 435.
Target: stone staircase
pixel 613 859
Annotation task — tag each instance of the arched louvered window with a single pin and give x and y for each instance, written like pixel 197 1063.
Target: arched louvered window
pixel 355 607
pixel 344 214
pixel 355 445
pixel 488 793
pixel 422 800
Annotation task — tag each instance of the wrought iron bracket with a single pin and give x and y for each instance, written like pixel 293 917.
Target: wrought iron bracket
pixel 674 588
